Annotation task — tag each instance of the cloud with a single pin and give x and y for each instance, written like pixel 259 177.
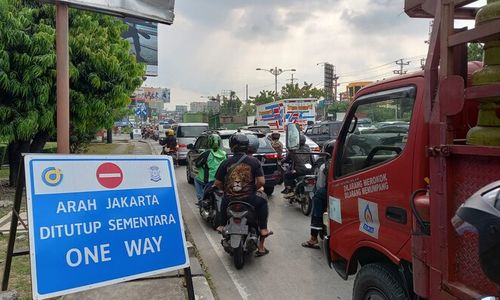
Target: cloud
pixel 216 45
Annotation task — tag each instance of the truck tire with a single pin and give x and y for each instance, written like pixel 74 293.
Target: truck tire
pixel 378 281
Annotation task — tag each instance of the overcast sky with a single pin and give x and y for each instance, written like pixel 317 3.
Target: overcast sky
pixel 217 45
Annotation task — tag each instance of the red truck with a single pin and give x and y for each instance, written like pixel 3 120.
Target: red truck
pixel 394 187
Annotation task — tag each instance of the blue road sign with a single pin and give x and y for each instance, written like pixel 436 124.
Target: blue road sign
pixel 141 109
pixel 97 220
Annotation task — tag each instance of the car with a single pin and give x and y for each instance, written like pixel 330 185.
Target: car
pixel 265 154
pixel 258 128
pixel 186 133
pixel 324 131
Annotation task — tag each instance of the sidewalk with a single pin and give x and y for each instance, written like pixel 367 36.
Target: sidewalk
pixel 169 285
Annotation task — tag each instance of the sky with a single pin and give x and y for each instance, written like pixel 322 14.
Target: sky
pixel 215 46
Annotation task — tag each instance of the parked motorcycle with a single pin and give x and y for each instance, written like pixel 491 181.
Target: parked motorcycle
pixel 210 205
pixel 241 234
pixel 303 190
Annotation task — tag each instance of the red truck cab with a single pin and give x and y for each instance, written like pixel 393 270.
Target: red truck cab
pixel 395 184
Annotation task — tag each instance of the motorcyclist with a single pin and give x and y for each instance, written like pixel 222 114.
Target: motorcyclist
pixel 301 164
pixel 208 163
pixel 171 142
pixel 276 144
pixel 319 200
pixel 240 177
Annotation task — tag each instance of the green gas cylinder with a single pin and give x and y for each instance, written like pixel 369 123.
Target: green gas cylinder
pixel 487 131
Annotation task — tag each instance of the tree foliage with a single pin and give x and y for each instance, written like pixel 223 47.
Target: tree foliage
pixel 306 91
pixel 338 106
pixel 230 105
pixel 475 52
pixel 290 91
pixel 264 97
pixel 102 75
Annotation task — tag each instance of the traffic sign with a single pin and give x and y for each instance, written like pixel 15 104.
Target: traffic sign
pixel 109 175
pixel 97 220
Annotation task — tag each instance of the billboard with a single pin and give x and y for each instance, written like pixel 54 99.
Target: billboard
pixel 152 94
pixel 161 11
pixel 143 39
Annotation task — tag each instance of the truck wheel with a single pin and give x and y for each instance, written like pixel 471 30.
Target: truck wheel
pixel 190 179
pixel 378 281
pixel 269 190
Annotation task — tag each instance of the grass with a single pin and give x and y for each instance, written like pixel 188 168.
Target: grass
pixel 20 275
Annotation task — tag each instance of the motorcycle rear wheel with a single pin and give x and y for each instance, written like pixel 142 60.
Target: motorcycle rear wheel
pixel 239 257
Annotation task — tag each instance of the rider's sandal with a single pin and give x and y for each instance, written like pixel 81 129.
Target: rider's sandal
pixel 259 254
pixel 308 244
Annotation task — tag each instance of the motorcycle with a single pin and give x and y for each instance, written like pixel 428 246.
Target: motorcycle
pixel 167 151
pixel 303 190
pixel 210 205
pixel 241 234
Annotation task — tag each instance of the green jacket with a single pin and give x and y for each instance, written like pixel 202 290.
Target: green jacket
pixel 208 163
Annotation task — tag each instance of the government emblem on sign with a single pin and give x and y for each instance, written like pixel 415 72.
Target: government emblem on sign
pixel 155 173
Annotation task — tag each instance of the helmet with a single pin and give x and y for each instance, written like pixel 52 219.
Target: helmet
pixel 275 135
pixel 214 142
pixel 170 132
pixel 302 139
pixel 253 144
pixel 238 142
pixel 481 214
pixel 328 147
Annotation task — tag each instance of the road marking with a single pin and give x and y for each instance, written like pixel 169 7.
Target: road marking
pixel 217 249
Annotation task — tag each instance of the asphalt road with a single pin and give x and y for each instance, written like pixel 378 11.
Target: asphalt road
pixel 288 272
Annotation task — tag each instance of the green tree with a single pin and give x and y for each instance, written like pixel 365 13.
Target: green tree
pixel 338 106
pixel 475 52
pixel 264 97
pixel 248 109
pixel 102 75
pixel 296 91
pixel 231 105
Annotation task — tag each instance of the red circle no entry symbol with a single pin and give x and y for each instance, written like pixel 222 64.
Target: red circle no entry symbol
pixel 109 175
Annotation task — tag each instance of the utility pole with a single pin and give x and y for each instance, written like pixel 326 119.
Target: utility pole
pixel 246 93
pixel 275 72
pixel 335 84
pixel 293 79
pixel 401 64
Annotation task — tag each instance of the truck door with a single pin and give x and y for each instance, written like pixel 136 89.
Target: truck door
pixel 372 174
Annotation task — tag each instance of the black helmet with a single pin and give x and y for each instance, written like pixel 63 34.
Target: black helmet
pixel 253 144
pixel 481 214
pixel 302 139
pixel 328 147
pixel 238 142
pixel 275 135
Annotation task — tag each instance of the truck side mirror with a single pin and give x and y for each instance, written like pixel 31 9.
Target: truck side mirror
pixel 292 136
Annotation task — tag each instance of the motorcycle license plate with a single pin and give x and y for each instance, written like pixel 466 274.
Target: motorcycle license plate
pixel 308 188
pixel 237 229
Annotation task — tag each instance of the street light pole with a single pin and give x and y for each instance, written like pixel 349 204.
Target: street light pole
pixel 275 72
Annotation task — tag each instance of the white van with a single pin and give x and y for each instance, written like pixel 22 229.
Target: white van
pixel 186 133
